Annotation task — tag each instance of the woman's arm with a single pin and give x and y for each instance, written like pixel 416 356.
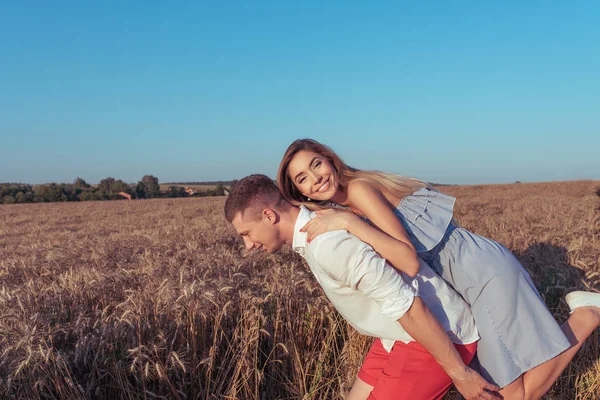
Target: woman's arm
pixel 388 238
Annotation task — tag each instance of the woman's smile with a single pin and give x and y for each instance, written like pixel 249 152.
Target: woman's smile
pixel 324 187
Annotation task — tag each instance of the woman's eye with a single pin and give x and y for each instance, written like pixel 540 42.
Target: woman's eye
pixel 301 180
pixel 317 164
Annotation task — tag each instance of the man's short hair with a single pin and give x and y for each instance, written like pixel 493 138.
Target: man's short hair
pixel 251 195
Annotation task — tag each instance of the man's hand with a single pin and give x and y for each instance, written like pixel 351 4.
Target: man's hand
pixel 472 385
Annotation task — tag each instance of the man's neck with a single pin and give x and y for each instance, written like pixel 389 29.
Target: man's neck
pixel 288 221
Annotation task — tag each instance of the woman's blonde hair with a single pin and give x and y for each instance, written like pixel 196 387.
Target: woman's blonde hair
pixel 398 185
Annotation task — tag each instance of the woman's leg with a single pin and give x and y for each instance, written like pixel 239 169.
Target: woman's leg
pixel 518 332
pixel 534 383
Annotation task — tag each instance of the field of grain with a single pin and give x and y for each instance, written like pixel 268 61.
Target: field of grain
pixel 159 299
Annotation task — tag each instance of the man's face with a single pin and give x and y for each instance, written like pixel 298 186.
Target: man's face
pixel 262 234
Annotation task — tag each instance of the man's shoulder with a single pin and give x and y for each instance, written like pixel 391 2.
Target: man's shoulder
pixel 330 240
pixel 330 249
pixel 327 254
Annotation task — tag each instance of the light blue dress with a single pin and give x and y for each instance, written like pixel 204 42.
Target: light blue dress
pixel 517 330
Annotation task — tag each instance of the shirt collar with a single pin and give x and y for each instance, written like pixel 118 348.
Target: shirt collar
pixel 299 240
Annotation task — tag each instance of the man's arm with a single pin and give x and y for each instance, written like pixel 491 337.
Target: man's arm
pixel 422 325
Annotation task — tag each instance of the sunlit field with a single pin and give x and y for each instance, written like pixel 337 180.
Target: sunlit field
pixel 159 299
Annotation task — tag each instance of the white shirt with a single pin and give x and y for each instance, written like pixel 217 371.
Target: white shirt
pixel 371 294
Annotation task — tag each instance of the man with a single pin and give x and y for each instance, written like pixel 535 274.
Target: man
pixel 414 357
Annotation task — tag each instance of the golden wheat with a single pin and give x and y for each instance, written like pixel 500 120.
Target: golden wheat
pixel 159 299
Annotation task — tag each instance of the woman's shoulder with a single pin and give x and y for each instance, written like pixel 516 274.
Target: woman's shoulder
pixel 359 187
pixel 362 193
pixel 366 198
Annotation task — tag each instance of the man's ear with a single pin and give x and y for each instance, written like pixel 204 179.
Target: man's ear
pixel 270 216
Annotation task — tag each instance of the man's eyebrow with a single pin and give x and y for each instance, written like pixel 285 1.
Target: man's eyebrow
pixel 310 163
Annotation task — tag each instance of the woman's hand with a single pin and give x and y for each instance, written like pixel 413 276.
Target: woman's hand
pixel 334 219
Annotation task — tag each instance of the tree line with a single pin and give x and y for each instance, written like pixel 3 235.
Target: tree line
pixel 108 189
pixel 206 183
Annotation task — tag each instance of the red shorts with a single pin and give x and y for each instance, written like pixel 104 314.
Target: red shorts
pixel 408 371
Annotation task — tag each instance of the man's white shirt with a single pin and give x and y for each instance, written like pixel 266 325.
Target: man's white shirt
pixel 371 294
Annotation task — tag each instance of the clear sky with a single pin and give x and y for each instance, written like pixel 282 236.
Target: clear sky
pixel 446 91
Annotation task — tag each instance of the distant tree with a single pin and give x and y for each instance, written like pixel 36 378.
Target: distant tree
pixel 140 191
pixel 47 193
pixel 106 185
pixel 88 195
pixel 148 187
pixel 65 193
pixel 517 181
pixel 176 191
pixel 201 193
pixel 8 199
pixel 5 190
pixel 109 187
pixel 13 189
pixel 79 183
pixel 219 190
pixel 20 197
pixel 37 193
pixel 120 186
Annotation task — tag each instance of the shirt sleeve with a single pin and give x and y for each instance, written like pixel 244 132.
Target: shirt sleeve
pixel 355 264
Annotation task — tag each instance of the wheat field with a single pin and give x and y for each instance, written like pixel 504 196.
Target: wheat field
pixel 158 298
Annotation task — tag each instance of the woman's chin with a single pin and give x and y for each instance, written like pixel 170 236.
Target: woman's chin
pixel 324 198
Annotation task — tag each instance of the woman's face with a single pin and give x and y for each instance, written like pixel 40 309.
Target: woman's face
pixel 313 175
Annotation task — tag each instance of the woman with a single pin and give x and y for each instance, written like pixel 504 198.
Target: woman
pixel 522 348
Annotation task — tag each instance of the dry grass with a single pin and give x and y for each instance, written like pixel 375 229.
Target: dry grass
pixel 158 299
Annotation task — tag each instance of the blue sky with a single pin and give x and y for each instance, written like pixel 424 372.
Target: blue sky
pixel 452 92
